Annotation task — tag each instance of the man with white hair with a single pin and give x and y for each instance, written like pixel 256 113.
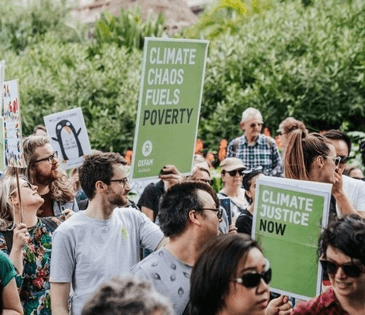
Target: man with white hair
pixel 254 148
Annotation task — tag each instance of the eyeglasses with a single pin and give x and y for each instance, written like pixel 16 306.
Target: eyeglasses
pixel 218 210
pixel 252 280
pixel 344 159
pixel 335 159
pixel 207 181
pixel 254 125
pixel 48 158
pixel 122 181
pixel 234 172
pixel 351 270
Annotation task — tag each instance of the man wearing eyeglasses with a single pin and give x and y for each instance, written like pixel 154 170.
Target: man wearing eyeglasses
pixel 189 215
pixel 53 185
pixel 254 148
pixel 102 241
pixel 353 189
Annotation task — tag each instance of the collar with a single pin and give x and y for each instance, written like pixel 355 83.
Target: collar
pixel 260 139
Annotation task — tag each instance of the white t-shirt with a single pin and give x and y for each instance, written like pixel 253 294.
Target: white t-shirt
pixel 355 192
pixel 87 251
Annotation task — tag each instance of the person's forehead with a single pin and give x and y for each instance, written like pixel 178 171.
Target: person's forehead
pixel 119 170
pixel 44 151
pixel 206 198
pixel 340 147
pixel 339 256
pixel 253 119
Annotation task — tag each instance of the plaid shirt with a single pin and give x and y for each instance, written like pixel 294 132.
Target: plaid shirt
pixel 263 153
pixel 324 304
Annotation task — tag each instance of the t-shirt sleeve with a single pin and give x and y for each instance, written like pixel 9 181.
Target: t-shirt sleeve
pixel 6 269
pixel 62 260
pixel 360 202
pixel 147 197
pixel 150 233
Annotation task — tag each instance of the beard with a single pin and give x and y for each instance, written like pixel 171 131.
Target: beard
pixel 46 179
pixel 117 200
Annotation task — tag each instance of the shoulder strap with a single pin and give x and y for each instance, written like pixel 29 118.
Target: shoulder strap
pixel 8 235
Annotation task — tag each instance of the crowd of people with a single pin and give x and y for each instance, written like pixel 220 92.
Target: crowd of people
pixel 80 246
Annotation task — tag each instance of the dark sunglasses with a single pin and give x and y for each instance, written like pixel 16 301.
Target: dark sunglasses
pixel 234 172
pixel 218 210
pixel 344 159
pixel 351 270
pixel 252 280
pixel 335 159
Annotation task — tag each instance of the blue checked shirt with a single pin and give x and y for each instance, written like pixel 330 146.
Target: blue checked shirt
pixel 263 153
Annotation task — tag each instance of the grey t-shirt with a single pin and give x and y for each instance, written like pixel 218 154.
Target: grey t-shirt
pixel 169 276
pixel 87 251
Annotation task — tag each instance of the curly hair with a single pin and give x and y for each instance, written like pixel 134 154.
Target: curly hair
pixel 126 295
pixel 98 166
pixel 60 189
pixel 346 234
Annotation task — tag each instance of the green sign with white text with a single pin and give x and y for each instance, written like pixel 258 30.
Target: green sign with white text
pixel 169 105
pixel 287 225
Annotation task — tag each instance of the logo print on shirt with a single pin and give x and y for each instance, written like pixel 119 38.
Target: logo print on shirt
pixel 125 234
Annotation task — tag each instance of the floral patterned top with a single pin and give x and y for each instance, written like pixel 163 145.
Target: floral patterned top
pixel 33 284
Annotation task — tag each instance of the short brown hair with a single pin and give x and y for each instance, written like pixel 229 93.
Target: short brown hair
pixel 98 166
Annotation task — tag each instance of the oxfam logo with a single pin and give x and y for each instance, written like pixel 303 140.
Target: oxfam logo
pixel 147 148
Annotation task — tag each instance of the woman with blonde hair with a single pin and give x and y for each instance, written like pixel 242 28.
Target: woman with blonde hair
pixel 28 241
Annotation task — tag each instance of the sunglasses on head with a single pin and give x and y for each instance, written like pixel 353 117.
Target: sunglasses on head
pixel 351 270
pixel 252 280
pixel 234 172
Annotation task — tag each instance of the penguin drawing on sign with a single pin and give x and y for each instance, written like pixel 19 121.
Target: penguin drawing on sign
pixel 68 139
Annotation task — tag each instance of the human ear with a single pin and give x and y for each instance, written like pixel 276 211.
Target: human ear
pixel 100 186
pixel 242 125
pixel 193 217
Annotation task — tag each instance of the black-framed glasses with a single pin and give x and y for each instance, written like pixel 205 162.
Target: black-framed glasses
pixel 218 210
pixel 234 172
pixel 344 159
pixel 207 181
pixel 252 279
pixel 253 125
pixel 50 158
pixel 122 181
pixel 351 270
pixel 336 160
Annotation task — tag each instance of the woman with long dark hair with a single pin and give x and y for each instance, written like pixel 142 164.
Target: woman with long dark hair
pixel 230 277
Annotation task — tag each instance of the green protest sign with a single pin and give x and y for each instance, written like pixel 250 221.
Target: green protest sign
pixel 169 105
pixel 289 216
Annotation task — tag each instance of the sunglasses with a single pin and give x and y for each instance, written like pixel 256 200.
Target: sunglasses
pixel 218 210
pixel 351 270
pixel 344 159
pixel 252 280
pixel 336 160
pixel 234 172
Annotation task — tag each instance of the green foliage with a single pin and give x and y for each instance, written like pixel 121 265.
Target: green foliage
pixel 355 154
pixel 21 26
pixel 55 76
pixel 306 62
pixel 128 29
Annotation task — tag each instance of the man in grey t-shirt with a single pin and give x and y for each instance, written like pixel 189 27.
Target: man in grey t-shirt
pixel 103 240
pixel 189 215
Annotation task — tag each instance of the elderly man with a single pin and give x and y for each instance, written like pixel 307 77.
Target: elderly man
pixel 253 148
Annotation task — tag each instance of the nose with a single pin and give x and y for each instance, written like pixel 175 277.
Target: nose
pixel 33 187
pixel 340 273
pixel 263 286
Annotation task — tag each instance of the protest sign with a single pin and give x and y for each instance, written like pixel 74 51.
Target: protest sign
pixel 13 147
pixel 169 105
pixel 2 156
pixel 289 216
pixel 2 78
pixel 69 138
